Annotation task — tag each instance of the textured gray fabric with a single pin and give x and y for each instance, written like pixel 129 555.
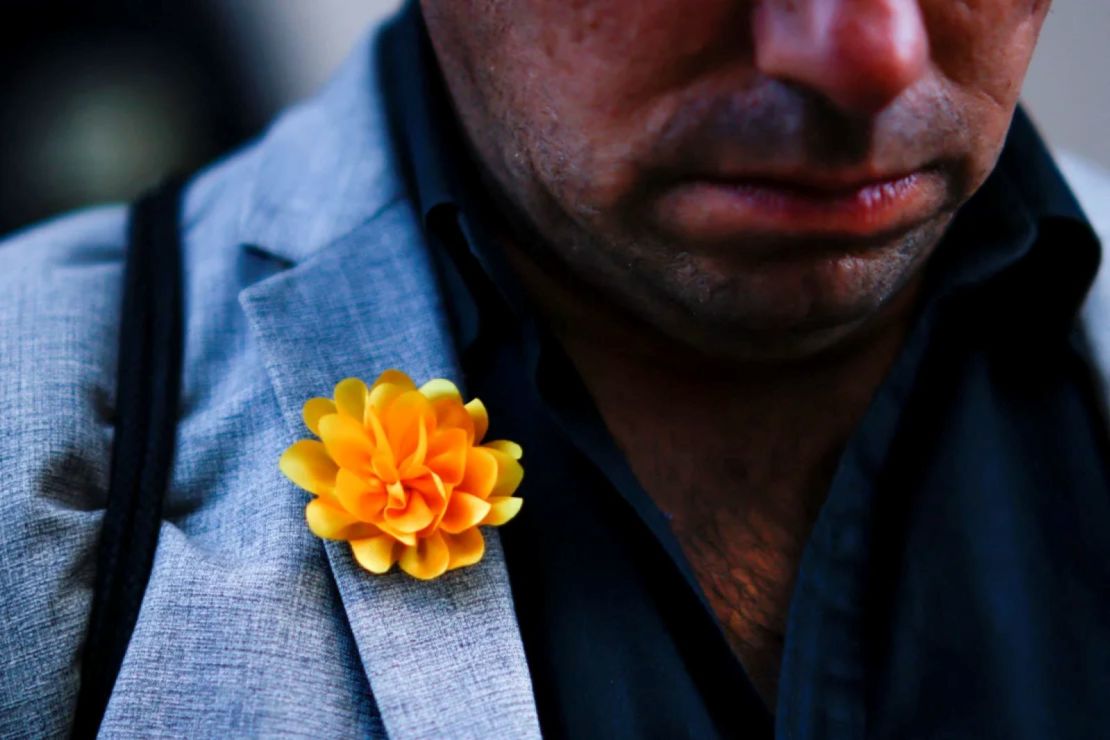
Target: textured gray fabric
pixel 444 658
pixel 58 318
pixel 303 266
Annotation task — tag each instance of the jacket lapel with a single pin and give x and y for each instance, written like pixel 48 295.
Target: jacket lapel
pixel 444 658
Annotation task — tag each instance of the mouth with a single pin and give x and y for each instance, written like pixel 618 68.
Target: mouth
pixel 834 208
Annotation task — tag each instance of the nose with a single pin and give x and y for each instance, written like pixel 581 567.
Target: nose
pixel 859 54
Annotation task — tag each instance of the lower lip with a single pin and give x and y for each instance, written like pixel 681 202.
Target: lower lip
pixel 715 211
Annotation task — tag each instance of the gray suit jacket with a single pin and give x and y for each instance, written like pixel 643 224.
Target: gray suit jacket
pixel 305 264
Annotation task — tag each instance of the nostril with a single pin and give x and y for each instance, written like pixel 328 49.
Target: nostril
pixel 859 54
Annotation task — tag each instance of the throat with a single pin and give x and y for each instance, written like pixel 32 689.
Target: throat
pixel 746 567
pixel 742 465
pixel 742 511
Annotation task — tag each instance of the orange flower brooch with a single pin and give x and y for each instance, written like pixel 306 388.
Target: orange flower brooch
pixel 400 473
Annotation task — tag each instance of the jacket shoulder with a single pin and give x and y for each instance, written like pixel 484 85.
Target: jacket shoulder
pixel 59 296
pixel 60 287
pixel 91 236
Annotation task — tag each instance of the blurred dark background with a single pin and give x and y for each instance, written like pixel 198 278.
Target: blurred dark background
pixel 102 98
pixel 98 100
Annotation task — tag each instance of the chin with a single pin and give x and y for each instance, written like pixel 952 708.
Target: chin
pixel 740 342
pixel 791 309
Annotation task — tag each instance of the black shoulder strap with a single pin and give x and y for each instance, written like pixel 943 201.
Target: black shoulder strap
pixel 147 388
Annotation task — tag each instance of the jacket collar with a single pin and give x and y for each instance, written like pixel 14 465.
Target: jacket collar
pixel 443 658
pixel 325 167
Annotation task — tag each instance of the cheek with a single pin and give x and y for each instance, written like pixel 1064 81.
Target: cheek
pixel 984 46
pixel 612 72
pixel 609 57
pixel 981 49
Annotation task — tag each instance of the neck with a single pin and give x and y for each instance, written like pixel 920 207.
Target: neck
pixel 740 455
pixel 782 425
pixel 646 385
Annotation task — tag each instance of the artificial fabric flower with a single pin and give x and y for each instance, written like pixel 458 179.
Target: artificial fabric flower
pixel 400 473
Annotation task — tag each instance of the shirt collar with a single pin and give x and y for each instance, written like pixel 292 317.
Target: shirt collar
pixel 422 119
pixel 1023 225
pixel 1022 235
pixel 445 185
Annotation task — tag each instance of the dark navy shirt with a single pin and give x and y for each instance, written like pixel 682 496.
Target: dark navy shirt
pixel 957 580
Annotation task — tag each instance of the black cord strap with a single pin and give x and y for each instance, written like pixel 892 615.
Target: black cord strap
pixel 147 388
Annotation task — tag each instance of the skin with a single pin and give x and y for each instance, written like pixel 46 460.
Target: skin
pixel 598 123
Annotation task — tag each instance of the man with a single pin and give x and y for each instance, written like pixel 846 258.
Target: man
pixel 788 309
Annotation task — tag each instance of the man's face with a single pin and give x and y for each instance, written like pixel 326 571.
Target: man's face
pixel 752 177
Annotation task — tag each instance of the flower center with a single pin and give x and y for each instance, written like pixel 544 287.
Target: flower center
pixel 396 492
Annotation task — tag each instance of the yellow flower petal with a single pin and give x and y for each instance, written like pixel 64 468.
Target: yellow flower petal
pixel 481 472
pixel 439 388
pixel 314 410
pixel 376 554
pixel 414 517
pixel 382 396
pixel 350 397
pixel 347 443
pixel 363 498
pixel 509 474
pixel 446 455
pixel 427 559
pixel 478 416
pixel 396 377
pixel 398 473
pixel 466 548
pixel 373 426
pixel 307 464
pixel 464 511
pixel 333 523
pixel 451 414
pixel 434 493
pixel 405 538
pixel 512 449
pixel 502 509
pixel 413 465
pixel 382 465
pixel 402 420
pixel 387 387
